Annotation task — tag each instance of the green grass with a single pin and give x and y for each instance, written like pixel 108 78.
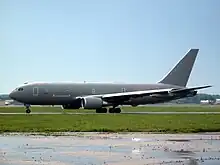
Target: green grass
pixel 174 108
pixel 181 108
pixel 110 123
pixel 34 109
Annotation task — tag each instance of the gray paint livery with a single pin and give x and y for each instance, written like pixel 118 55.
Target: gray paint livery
pixel 100 95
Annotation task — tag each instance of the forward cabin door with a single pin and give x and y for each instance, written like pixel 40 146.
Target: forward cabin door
pixel 35 91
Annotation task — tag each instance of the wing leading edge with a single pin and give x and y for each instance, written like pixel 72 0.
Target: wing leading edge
pixel 130 94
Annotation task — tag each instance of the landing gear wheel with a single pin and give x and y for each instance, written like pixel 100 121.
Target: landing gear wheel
pixel 111 110
pixel 114 110
pixel 101 110
pixel 27 106
pixel 117 110
pixel 28 111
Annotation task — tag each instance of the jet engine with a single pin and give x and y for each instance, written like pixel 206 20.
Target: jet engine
pixel 70 106
pixel 92 103
pixel 76 104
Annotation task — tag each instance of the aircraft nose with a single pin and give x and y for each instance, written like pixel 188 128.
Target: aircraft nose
pixel 12 95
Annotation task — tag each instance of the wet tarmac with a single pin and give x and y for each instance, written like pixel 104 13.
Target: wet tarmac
pixel 108 148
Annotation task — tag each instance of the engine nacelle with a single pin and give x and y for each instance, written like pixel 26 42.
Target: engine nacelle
pixel 76 104
pixel 70 106
pixel 91 103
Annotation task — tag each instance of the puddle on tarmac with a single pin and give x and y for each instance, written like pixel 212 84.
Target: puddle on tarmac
pixel 94 148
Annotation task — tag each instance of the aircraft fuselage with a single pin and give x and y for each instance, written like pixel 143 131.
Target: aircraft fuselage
pixel 66 93
pixel 101 95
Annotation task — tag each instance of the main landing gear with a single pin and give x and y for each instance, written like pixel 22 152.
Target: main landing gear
pixel 111 110
pixel 27 107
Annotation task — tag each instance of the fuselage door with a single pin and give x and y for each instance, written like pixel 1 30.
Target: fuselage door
pixel 35 91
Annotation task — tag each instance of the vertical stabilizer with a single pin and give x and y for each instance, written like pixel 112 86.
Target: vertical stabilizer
pixel 179 75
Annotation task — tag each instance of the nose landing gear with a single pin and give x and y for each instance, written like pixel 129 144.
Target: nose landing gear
pixel 27 107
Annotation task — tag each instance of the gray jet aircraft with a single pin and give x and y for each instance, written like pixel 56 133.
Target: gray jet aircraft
pixel 99 96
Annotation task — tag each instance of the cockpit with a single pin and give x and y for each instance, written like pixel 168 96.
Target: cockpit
pixel 18 93
pixel 18 89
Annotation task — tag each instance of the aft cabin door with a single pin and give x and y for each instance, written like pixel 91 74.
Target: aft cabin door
pixel 35 91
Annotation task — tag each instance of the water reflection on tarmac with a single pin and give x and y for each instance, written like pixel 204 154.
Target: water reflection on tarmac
pixel 106 148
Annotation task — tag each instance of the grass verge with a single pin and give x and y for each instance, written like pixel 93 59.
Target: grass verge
pixel 110 123
pixel 182 108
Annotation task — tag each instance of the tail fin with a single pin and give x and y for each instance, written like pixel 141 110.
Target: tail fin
pixel 179 75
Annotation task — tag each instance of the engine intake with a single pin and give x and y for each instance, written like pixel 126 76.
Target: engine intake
pixel 91 103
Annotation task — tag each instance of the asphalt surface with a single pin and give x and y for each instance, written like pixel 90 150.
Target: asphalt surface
pixel 143 113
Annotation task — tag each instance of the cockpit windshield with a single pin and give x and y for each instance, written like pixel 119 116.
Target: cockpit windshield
pixel 20 89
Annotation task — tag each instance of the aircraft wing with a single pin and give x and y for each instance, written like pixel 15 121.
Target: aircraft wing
pixel 137 93
pixel 127 95
pixel 151 92
pixel 124 96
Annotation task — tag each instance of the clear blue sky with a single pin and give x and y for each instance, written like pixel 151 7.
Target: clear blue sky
pixel 133 41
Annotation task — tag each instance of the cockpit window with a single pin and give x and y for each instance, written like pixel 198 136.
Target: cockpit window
pixel 20 89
